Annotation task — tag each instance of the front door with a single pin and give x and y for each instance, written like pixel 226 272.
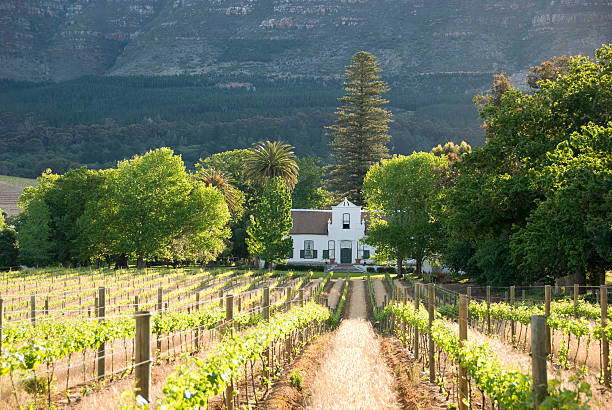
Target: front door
pixel 346 255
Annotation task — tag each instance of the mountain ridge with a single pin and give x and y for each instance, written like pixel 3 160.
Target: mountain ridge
pixel 64 39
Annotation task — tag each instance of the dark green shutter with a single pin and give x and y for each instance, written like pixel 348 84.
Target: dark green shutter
pixel 290 256
pixel 326 254
pixel 302 254
pixel 366 254
pixel 314 254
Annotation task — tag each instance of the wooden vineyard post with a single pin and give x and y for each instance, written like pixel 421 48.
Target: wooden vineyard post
pixel 33 309
pixel 265 307
pixel 488 309
pixel 229 319
pixel 265 304
pixel 142 368
pixel 512 325
pixel 101 348
pixel 576 290
pixel 463 382
pixel 469 299
pixel 47 305
pixel 221 299
pixel 538 358
pixel 136 303
pixel 160 307
pixel 416 329
pixel 431 302
pixel 547 314
pixel 197 308
pixel 605 343
pixel 523 295
pixel 301 297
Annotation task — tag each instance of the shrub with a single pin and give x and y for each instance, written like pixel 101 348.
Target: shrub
pixel 300 267
pixel 296 380
pixel 371 269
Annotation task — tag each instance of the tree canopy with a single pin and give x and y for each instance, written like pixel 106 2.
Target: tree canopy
pixel 268 233
pixel 269 160
pixel 360 135
pixel 404 202
pixel 504 192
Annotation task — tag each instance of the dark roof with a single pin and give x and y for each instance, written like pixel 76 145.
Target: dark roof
pixel 310 222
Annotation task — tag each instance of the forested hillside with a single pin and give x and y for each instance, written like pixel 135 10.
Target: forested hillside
pixel 96 121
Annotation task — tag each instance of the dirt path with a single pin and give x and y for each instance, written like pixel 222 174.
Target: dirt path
pixel 334 294
pixel 379 292
pixel 353 374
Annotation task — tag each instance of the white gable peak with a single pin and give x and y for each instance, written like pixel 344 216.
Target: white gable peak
pixel 346 202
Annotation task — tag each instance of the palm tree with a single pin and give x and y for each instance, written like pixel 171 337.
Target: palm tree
pixel 269 160
pixel 224 183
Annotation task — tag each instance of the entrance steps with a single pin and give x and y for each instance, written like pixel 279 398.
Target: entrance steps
pixel 345 268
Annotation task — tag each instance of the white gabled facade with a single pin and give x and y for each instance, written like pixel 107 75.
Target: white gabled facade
pixel 333 237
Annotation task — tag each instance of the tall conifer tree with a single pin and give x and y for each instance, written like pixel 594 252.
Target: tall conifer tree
pixel 360 134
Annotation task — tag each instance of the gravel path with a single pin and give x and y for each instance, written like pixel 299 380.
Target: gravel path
pixel 334 294
pixel 353 374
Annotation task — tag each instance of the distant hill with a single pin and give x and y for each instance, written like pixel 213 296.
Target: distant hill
pixel 10 190
pixel 90 82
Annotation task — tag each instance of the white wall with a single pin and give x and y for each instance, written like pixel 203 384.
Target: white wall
pixel 336 232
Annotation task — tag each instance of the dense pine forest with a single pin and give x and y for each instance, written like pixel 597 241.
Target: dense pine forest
pixel 96 121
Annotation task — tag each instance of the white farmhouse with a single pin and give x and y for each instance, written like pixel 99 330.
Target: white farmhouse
pixel 330 237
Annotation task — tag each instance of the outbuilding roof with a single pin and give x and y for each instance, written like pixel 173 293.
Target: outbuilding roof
pixel 310 221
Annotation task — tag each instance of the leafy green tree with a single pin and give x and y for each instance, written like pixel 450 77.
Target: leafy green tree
pixel 232 164
pixel 234 198
pixel 204 229
pixel 9 252
pixel 497 187
pixel 152 194
pixel 34 223
pixel 308 192
pixel 360 136
pixel 451 150
pixel 66 199
pixel 404 200
pixel 548 70
pixel 8 245
pixel 98 224
pixel 34 234
pixel 571 230
pixel 268 160
pixel 268 234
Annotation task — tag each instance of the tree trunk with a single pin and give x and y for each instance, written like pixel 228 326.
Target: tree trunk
pixel 97 265
pixel 602 275
pixel 121 262
pixel 140 263
pixel 400 266
pixel 419 267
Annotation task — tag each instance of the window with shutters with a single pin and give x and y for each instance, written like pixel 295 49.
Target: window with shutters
pixel 309 252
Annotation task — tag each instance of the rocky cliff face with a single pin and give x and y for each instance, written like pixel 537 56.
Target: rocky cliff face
pixel 62 39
